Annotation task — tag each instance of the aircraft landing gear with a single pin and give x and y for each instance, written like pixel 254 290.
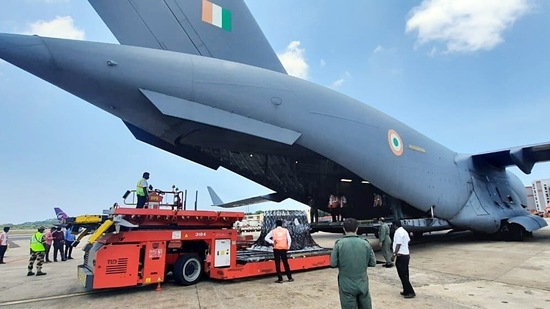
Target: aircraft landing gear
pixel 514 232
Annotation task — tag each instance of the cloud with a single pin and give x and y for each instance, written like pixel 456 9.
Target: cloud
pixel 378 49
pixel 322 62
pixel 60 27
pixel 465 25
pixel 293 59
pixel 339 82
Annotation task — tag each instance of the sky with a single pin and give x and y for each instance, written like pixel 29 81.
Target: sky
pixel 472 75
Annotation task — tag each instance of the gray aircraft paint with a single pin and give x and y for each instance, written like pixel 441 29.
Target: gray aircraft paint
pixel 147 87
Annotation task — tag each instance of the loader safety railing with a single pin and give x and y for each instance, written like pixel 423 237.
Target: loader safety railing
pixel 159 199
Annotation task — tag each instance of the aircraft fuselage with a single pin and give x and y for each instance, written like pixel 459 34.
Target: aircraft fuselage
pixel 394 157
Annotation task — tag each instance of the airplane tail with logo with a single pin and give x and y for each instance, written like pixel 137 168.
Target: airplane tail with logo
pixel 60 214
pixel 220 29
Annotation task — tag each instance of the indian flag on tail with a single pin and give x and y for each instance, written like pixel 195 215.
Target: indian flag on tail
pixel 216 15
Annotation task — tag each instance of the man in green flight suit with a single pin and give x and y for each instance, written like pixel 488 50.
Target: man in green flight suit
pixel 385 241
pixel 352 255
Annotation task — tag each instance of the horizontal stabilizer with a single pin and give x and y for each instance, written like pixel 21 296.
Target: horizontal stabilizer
pixel 216 201
pixel 200 113
pixel 523 157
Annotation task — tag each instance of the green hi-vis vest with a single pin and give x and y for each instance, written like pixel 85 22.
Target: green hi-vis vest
pixel 139 190
pixel 36 243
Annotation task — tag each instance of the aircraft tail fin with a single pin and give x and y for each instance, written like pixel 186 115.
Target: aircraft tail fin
pixel 216 201
pixel 60 214
pixel 223 29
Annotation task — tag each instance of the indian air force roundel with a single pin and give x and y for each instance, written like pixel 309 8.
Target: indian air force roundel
pixel 396 145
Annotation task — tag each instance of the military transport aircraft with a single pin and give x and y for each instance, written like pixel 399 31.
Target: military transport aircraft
pixel 199 79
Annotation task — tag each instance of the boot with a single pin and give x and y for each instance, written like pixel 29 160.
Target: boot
pixel 40 273
pixel 30 273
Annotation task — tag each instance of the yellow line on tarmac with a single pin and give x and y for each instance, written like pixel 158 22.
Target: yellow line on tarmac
pixel 32 300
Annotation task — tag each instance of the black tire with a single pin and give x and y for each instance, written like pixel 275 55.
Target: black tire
pixel 517 232
pixel 188 269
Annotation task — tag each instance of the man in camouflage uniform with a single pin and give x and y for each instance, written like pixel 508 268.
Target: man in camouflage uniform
pixel 352 255
pixel 37 252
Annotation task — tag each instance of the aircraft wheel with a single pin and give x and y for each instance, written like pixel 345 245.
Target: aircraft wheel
pixel 513 232
pixel 517 232
pixel 188 269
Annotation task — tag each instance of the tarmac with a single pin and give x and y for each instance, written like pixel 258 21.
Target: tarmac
pixel 447 271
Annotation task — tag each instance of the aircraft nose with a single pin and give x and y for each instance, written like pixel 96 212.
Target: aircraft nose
pixel 27 52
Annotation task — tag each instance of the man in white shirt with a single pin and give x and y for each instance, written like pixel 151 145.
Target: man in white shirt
pixel 401 255
pixel 4 243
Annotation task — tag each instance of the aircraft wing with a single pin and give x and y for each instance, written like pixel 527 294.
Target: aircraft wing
pixel 523 157
pixel 273 197
pixel 192 111
pixel 226 31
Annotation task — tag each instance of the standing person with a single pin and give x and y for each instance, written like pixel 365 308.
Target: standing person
pixel 343 206
pixel 313 211
pixel 385 242
pixel 48 243
pixel 279 237
pixel 37 252
pixel 334 207
pixel 4 243
pixel 58 241
pixel 69 240
pixel 142 190
pixel 401 255
pixel 352 255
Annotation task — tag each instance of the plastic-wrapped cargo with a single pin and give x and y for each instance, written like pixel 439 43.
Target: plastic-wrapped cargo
pixel 295 221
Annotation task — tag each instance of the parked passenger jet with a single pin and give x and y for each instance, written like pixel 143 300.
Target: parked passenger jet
pixel 61 215
pixel 199 79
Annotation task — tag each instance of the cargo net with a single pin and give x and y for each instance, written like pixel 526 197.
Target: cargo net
pixel 295 221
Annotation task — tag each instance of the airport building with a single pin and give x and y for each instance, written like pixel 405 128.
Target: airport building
pixel 530 199
pixel 541 194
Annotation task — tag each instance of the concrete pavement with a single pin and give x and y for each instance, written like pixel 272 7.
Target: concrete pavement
pixel 446 272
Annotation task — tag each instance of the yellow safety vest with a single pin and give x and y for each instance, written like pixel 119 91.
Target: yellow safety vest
pixel 36 243
pixel 140 190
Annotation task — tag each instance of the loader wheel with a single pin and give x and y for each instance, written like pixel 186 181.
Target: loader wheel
pixel 188 269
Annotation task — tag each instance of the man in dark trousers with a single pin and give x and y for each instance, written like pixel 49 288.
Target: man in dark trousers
pixel 142 190
pixel 3 243
pixel 69 240
pixel 58 243
pixel 279 237
pixel 352 255
pixel 401 255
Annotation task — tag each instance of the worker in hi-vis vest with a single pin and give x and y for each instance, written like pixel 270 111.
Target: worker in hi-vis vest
pixel 279 237
pixel 142 188
pixel 37 252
